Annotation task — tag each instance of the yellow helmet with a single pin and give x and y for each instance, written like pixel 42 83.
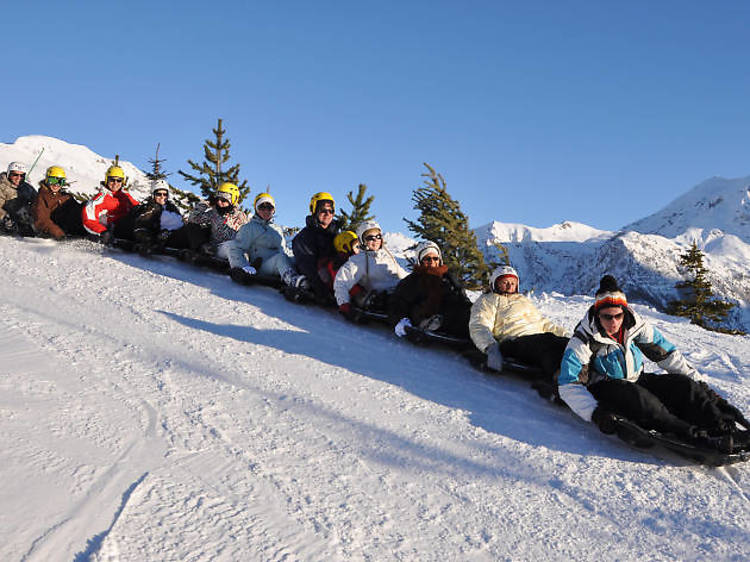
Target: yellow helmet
pixel 115 172
pixel 344 241
pixel 55 172
pixel 229 189
pixel 263 198
pixel 55 176
pixel 321 196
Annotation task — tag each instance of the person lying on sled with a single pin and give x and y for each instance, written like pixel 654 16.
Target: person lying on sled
pixel 506 323
pixel 366 278
pixel 602 374
pixel 346 245
pixel 221 217
pixel 430 297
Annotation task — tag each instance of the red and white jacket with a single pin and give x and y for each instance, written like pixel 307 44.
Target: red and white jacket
pixel 104 210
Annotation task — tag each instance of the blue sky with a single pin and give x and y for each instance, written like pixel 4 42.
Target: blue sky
pixel 597 112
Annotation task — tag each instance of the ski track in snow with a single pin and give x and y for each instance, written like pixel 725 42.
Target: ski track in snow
pixel 153 411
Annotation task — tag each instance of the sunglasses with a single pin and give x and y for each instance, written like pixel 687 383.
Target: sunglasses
pixel 52 180
pixel 431 259
pixel 373 237
pixel 325 211
pixel 114 179
pixel 161 194
pixel 611 317
pixel 17 175
pixel 265 207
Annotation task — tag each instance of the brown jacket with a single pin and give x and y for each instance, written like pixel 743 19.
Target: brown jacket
pixel 44 206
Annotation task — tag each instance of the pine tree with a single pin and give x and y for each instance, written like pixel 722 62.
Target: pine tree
pixel 209 173
pixel 360 209
pixel 157 171
pixel 442 221
pixel 182 199
pixel 700 304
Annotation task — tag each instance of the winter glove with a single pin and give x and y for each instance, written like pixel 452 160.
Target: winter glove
pixel 250 270
pixel 432 323
pixel 494 357
pixel 400 328
pixel 7 224
pixel 106 237
pixel 163 235
pixel 604 419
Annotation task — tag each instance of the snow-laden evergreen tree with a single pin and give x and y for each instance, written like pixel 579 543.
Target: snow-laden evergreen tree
pixel 442 221
pixel 699 303
pixel 210 174
pixel 360 209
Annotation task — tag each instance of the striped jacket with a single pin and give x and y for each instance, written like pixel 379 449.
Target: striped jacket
pixel 592 357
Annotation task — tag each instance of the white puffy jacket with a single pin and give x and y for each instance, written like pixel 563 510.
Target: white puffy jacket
pixel 373 270
pixel 496 317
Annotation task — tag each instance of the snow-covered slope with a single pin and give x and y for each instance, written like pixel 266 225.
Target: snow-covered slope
pixel 717 203
pixel 84 168
pixel 149 411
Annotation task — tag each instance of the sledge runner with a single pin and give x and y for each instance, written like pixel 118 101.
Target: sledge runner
pixel 52 196
pixel 16 199
pixel 506 323
pixel 221 217
pixel 602 377
pixel 430 297
pixel 113 202
pixel 369 277
pixel 260 248
pixel 313 245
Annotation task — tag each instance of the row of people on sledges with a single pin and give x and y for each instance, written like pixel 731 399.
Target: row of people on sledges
pixel 597 371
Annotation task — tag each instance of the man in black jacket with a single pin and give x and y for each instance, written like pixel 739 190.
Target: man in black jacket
pixel 313 245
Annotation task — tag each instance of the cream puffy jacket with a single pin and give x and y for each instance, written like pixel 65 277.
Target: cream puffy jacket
pixel 374 270
pixel 497 317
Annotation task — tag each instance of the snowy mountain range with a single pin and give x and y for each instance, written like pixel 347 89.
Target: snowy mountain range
pixel 570 258
pixel 567 258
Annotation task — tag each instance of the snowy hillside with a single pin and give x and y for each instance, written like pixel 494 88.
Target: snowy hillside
pixel 151 411
pixel 716 203
pixel 84 168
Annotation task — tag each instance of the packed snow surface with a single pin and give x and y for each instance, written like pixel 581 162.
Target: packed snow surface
pixel 152 411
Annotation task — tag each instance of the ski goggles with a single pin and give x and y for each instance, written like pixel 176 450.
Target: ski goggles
pixel 373 237
pixel 52 180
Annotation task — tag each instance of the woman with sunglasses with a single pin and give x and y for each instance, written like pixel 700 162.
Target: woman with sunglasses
pixel 16 199
pixel 260 248
pixel 368 276
pixel 602 375
pixel 430 297
pixel 154 224
pixel 102 213
pixel 52 196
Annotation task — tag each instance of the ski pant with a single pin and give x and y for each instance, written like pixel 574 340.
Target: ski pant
pixel 539 350
pixel 68 217
pixel 669 403
pixel 276 265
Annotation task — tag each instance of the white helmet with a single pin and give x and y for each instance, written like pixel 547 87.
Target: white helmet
pixel 19 167
pixel 502 271
pixel 427 247
pixel 364 227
